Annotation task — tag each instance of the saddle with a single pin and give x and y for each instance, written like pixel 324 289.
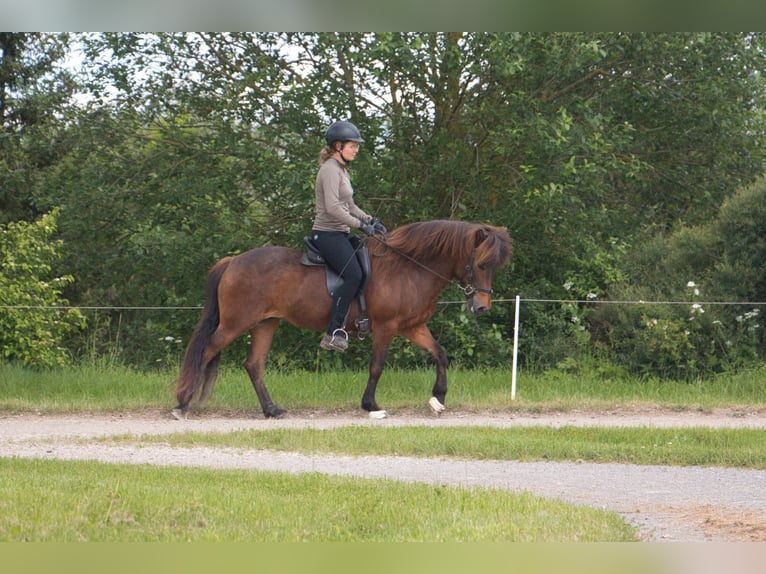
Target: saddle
pixel 311 256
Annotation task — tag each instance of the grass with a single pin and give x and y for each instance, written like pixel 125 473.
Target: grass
pixel 101 389
pixel 45 501
pixel 42 500
pixel 741 448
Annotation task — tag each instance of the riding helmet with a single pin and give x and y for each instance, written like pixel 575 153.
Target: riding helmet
pixel 343 132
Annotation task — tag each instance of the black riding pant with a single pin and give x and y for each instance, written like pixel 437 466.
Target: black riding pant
pixel 339 253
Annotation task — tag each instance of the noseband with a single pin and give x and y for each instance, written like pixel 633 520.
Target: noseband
pixel 470 287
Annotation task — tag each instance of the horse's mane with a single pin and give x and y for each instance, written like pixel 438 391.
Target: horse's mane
pixel 426 240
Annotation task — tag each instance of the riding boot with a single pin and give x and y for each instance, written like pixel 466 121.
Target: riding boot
pixel 337 341
pixel 336 337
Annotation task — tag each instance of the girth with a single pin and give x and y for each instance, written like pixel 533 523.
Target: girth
pixel 313 257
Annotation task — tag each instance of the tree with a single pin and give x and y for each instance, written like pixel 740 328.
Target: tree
pixel 582 144
pixel 34 91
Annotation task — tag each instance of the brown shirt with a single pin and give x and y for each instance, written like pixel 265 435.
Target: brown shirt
pixel 335 208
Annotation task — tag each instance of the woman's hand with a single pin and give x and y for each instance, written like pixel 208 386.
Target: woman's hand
pixel 367 228
pixel 378 226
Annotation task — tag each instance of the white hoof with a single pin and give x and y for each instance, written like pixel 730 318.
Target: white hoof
pixel 178 414
pixel 436 406
pixel 378 414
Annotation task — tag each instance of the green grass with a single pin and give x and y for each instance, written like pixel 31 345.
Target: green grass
pixel 65 501
pixel 45 501
pixel 98 389
pixel 89 388
pixel 741 448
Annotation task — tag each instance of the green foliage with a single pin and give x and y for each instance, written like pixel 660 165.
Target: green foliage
pixel 721 261
pixel 35 94
pixel 185 147
pixel 34 321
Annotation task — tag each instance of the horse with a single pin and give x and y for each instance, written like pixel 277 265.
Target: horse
pixel 411 266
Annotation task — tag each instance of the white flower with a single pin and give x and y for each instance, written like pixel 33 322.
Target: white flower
pixel 591 296
pixel 691 284
pixel 568 285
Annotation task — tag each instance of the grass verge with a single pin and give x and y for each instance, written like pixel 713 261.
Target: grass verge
pixel 740 448
pixel 105 389
pixel 44 501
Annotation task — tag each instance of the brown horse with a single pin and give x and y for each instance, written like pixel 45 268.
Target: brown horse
pixel 255 290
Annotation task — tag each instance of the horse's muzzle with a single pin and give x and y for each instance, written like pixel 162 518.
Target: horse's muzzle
pixel 475 307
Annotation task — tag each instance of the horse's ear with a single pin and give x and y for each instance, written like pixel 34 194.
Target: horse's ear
pixel 481 233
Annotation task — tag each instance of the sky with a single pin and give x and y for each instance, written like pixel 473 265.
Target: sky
pixel 391 15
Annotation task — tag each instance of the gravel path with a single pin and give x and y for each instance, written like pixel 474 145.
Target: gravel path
pixel 666 503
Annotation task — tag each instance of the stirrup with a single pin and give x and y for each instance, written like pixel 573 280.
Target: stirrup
pixel 342 331
pixel 362 328
pixel 335 341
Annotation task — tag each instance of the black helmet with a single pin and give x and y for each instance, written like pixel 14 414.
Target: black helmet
pixel 343 132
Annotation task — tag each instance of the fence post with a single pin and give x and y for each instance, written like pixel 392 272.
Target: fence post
pixel 515 347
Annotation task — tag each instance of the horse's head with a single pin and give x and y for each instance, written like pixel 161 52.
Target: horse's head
pixel 446 249
pixel 492 249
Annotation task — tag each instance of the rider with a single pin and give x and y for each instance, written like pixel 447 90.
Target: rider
pixel 334 216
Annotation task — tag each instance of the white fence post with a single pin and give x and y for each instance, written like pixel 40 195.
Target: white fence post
pixel 515 348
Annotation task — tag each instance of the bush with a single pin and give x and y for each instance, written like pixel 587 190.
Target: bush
pixel 723 261
pixel 33 318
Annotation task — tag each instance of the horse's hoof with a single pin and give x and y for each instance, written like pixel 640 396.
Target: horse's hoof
pixel 436 406
pixel 274 413
pixel 179 414
pixel 378 415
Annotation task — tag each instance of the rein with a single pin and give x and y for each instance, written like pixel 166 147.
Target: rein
pixel 470 287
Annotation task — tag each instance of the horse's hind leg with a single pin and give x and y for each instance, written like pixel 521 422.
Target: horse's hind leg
pixel 261 337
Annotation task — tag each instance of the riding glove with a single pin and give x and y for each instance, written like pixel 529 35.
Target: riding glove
pixel 378 226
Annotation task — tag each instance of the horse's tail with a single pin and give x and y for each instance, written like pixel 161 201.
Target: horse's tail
pixel 197 377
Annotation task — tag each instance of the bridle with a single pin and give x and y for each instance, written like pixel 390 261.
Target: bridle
pixel 470 287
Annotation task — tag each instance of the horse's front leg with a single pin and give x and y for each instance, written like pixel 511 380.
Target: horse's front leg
pixel 422 337
pixel 381 341
pixel 260 343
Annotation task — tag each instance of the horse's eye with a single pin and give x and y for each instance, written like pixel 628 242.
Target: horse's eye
pixel 482 267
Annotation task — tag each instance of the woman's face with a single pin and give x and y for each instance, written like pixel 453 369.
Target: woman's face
pixel 348 151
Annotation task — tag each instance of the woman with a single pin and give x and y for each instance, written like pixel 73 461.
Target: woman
pixel 335 215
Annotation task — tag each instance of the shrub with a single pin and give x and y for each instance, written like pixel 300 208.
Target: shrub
pixel 723 261
pixel 34 320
